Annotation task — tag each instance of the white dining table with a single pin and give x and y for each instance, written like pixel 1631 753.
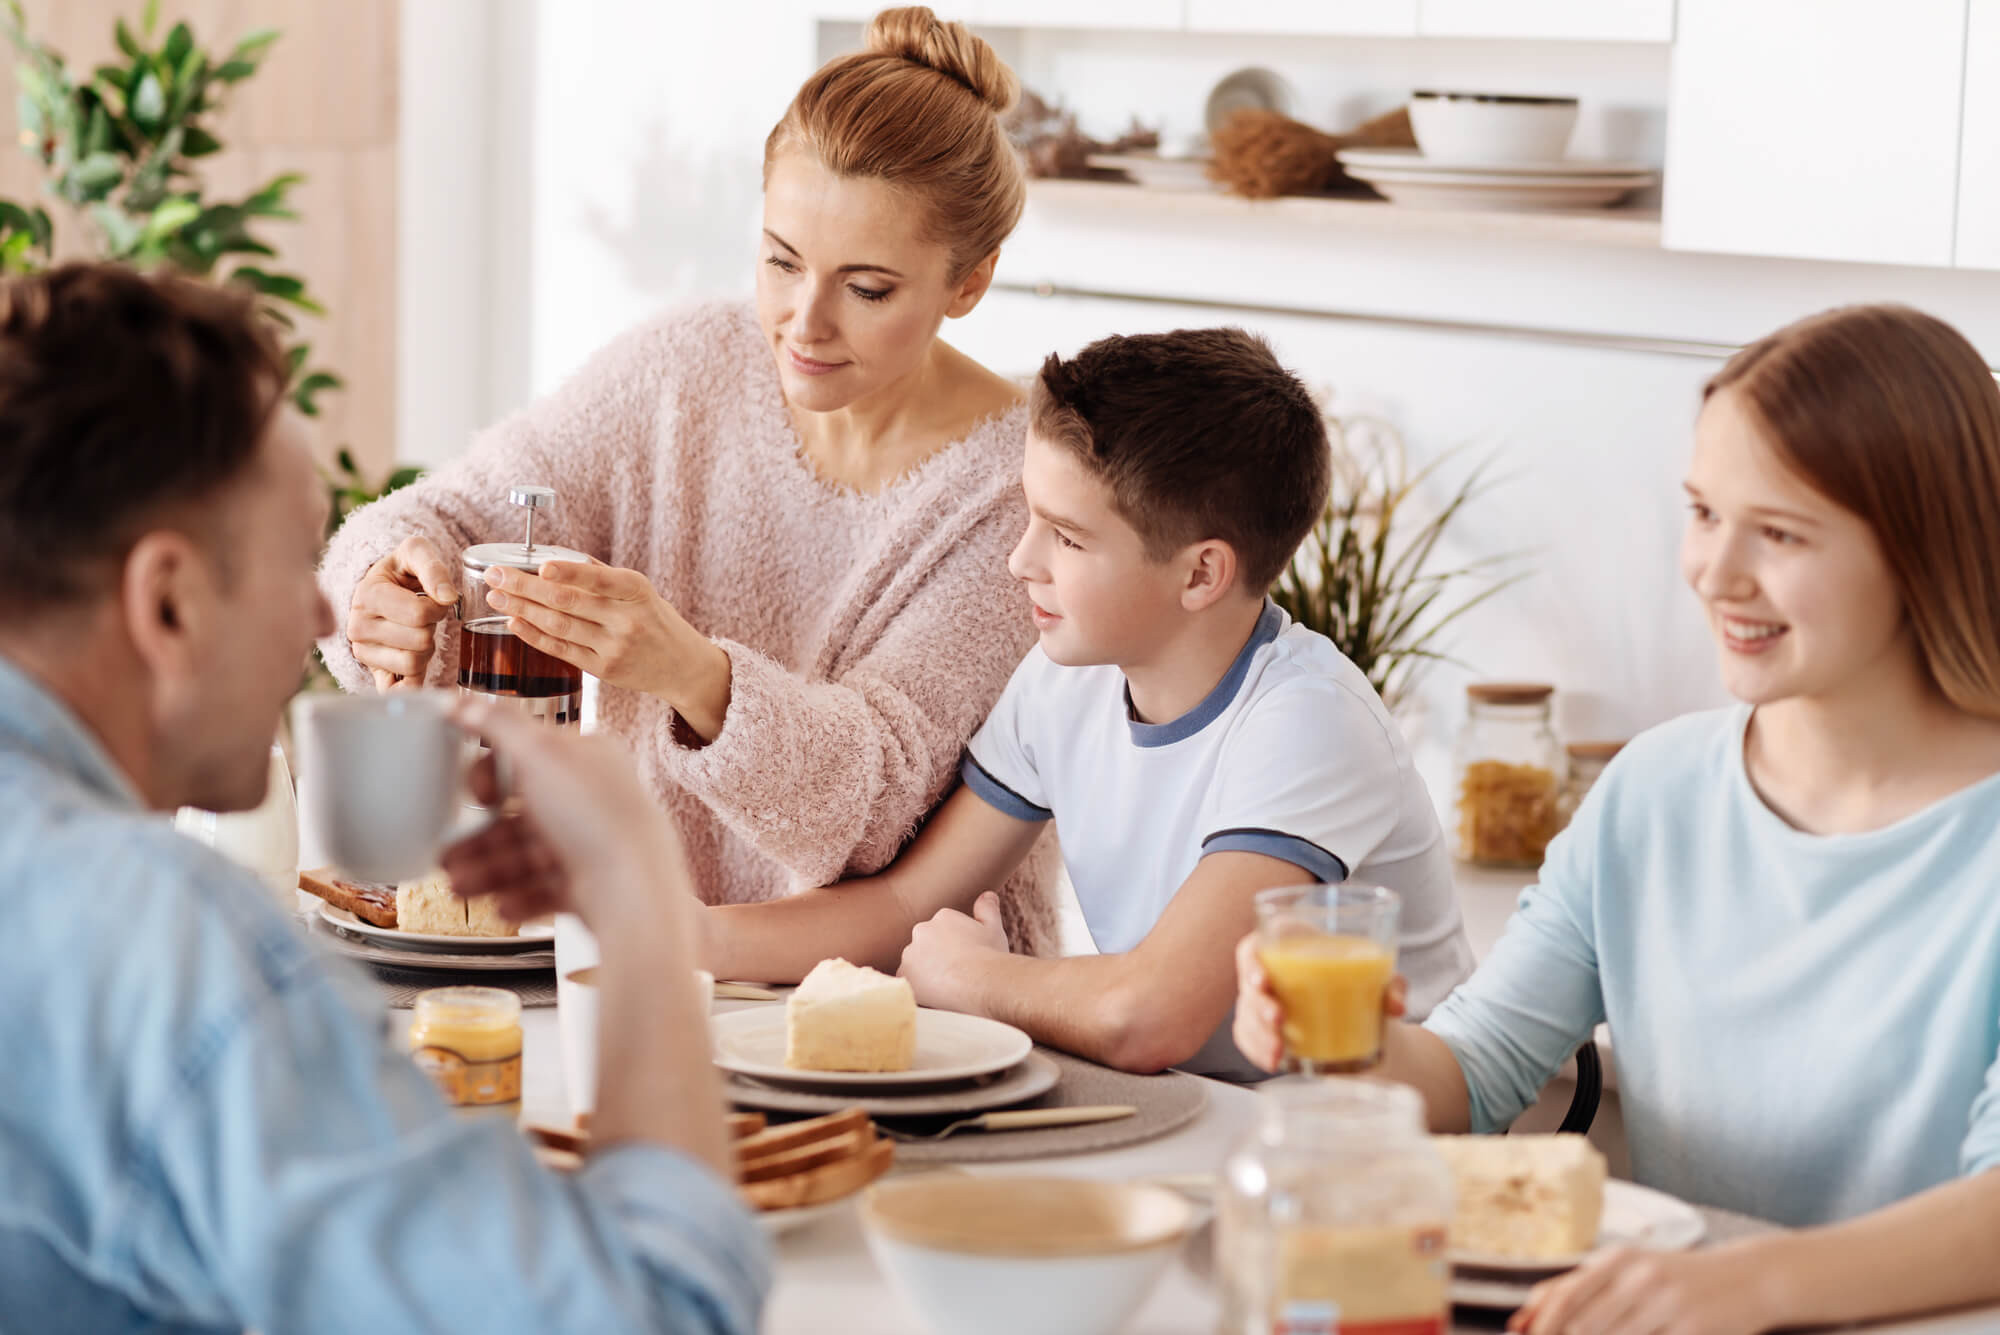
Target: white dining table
pixel 829 1284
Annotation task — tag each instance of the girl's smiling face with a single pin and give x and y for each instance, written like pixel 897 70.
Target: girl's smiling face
pixel 1799 596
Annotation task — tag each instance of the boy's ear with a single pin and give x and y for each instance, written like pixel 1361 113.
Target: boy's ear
pixel 1211 572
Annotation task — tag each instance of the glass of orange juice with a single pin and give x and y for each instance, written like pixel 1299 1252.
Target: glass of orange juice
pixel 1329 951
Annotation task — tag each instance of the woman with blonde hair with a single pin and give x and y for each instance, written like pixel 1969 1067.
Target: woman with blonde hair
pixel 1786 911
pixel 803 506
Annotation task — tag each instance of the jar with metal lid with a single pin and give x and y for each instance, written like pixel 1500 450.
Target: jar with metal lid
pixel 468 1041
pixel 1509 772
pixel 1586 761
pixel 1333 1214
pixel 493 661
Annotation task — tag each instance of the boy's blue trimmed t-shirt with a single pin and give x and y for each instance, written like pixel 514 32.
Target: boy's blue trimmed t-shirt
pixel 1292 755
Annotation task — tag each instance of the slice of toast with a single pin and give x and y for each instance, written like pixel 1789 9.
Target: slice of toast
pixel 830 1182
pixel 815 1154
pixel 365 900
pixel 792 1135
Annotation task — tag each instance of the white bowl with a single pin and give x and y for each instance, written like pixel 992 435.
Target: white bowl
pixel 1492 127
pixel 576 1021
pixel 1003 1255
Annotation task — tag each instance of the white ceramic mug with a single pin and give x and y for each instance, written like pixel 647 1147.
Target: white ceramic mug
pixel 385 780
pixel 576 1021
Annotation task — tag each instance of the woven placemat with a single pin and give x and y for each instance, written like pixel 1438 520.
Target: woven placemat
pixel 402 985
pixel 1166 1102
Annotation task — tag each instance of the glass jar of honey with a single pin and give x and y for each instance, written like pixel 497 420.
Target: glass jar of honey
pixel 1333 1215
pixel 1509 771
pixel 468 1041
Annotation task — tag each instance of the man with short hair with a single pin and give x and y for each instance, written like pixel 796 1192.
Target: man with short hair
pixel 202 1123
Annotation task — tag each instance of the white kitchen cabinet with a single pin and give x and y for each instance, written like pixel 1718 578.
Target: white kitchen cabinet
pixel 1340 18
pixel 1549 20
pixel 1154 14
pixel 1816 129
pixel 1978 235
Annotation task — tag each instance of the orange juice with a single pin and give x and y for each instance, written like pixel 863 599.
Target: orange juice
pixel 1331 988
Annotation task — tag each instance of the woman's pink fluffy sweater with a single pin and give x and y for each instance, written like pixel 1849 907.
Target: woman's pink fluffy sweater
pixel 868 635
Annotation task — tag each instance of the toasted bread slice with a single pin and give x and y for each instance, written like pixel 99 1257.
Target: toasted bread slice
pixel 791 1135
pixel 829 1182
pixel 815 1154
pixel 369 902
pixel 578 1141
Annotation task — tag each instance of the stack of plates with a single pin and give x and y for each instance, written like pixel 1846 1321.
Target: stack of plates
pixel 533 949
pixel 1406 176
pixel 963 1063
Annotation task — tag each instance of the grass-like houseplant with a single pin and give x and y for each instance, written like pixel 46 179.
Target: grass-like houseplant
pixel 1364 576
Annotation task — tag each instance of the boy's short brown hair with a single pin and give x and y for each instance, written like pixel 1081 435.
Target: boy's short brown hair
pixel 1200 434
pixel 124 397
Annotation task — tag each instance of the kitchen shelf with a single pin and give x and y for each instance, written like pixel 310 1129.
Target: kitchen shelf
pixel 1632 226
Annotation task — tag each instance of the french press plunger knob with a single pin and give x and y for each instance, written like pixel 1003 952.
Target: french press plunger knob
pixel 531 499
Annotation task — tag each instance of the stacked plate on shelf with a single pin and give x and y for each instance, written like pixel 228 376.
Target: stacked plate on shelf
pixel 1406 176
pixel 533 949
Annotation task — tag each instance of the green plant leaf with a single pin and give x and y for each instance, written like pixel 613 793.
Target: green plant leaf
pixel 170 217
pixel 179 42
pixel 94 177
pixel 235 71
pixel 149 101
pixel 150 18
pixel 270 201
pixel 401 478
pixel 255 43
pixel 199 143
pixel 127 42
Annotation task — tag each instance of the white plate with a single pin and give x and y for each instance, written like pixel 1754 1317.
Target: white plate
pixel 1159 173
pixel 1634 1216
pixel 533 935
pixel 950 1046
pixel 1521 193
pixel 1413 161
pixel 408 957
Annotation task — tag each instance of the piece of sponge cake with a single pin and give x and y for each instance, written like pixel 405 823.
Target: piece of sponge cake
pixel 428 905
pixel 1528 1197
pixel 845 1017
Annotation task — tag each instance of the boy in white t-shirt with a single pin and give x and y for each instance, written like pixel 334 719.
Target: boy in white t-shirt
pixel 1191 744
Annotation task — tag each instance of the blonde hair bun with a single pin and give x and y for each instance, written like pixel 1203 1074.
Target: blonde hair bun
pixel 918 35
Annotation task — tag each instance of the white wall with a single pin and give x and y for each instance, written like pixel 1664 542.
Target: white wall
pixel 642 190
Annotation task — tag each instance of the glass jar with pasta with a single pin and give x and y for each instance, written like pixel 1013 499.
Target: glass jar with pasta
pixel 1509 772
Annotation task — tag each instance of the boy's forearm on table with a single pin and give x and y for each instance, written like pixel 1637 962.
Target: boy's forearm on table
pixel 1086 1005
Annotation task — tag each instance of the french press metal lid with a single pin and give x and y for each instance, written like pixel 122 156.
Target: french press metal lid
pixel 523 555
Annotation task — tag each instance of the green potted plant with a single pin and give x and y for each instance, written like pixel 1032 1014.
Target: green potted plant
pixel 1363 577
pixel 120 151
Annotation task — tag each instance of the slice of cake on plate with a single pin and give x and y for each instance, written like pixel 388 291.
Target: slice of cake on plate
pixel 847 1017
pixel 1528 1198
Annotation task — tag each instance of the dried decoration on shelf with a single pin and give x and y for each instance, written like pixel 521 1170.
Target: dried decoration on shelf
pixel 1262 154
pixel 1050 143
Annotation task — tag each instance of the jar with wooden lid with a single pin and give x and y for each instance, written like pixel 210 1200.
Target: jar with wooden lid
pixel 1586 761
pixel 468 1041
pixel 1508 771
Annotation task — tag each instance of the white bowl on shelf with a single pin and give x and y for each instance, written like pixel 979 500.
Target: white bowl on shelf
pixel 1492 127
pixel 1001 1255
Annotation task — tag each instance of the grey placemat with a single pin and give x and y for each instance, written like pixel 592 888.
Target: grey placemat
pixel 1166 1102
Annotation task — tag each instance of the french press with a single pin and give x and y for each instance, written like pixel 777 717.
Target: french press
pixel 497 664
